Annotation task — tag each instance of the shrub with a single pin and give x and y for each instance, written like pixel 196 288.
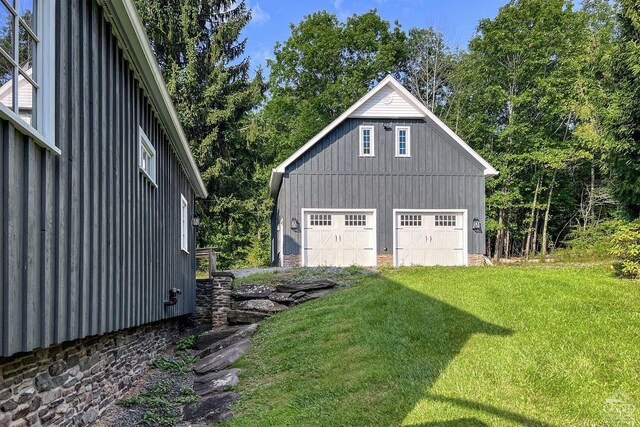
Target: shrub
pixel 591 244
pixel 626 250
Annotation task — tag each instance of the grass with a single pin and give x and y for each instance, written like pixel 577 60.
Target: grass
pixel 449 347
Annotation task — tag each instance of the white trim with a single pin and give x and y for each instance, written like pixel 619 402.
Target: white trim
pixel 304 211
pixel 426 114
pixel 397 141
pixel 144 144
pixel 133 34
pixel 465 229
pixel 372 140
pixel 184 224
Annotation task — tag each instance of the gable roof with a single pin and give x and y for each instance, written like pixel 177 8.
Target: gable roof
pixel 408 106
pixel 131 33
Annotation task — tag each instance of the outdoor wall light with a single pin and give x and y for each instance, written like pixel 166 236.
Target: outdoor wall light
pixel 476 226
pixel 295 224
pixel 195 221
pixel 386 126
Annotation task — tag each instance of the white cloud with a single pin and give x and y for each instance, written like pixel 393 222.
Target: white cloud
pixel 258 15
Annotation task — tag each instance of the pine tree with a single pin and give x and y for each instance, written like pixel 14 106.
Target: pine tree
pixel 199 49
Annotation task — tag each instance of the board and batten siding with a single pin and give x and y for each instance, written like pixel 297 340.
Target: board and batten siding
pixel 331 174
pixel 88 245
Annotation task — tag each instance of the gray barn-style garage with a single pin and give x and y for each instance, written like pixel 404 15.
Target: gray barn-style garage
pixel 386 183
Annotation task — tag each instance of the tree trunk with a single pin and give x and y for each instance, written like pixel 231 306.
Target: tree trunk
pixel 546 215
pixel 592 188
pixel 534 242
pixel 507 241
pixel 499 242
pixel 527 250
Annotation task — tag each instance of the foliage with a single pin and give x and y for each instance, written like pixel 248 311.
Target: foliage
pixel 177 366
pixel 441 346
pixel 185 344
pixel 624 152
pixel 200 51
pixel 322 68
pixel 591 243
pixel 626 250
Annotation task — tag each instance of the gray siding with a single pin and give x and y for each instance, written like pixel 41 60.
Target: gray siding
pixel 438 175
pixel 88 246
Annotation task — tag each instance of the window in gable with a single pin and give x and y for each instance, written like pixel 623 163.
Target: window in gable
pixel 366 141
pixel 403 141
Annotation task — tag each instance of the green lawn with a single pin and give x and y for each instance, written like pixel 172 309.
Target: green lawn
pixel 449 347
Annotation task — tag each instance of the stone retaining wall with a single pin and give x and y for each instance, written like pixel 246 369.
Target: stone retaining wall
pixel 74 382
pixel 475 259
pixel 213 299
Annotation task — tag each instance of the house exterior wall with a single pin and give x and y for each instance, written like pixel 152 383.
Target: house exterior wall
pixel 438 175
pixel 88 245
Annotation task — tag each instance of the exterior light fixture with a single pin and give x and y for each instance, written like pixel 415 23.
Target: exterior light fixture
pixel 295 224
pixel 195 221
pixel 476 226
pixel 386 126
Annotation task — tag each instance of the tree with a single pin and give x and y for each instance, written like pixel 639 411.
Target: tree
pixel 516 107
pixel 198 46
pixel 323 68
pixel 624 151
pixel 429 69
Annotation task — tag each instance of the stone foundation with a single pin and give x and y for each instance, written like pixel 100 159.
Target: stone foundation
pixel 292 260
pixel 475 259
pixel 74 382
pixel 213 298
pixel 385 259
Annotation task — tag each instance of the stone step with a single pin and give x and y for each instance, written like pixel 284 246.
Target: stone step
pixel 205 340
pixel 223 358
pixel 263 305
pixel 306 286
pixel 313 295
pixel 241 333
pixel 244 316
pixel 215 382
pixel 244 292
pixel 213 408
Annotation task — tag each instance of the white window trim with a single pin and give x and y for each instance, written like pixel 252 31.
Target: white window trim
pixel 144 144
pixel 43 133
pixel 184 224
pixel 398 129
pixel 373 139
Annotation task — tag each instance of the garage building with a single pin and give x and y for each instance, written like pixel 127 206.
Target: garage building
pixel 386 183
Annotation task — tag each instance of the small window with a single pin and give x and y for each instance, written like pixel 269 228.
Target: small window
pixel 184 223
pixel 355 220
pixel 410 220
pixel 403 141
pixel 445 220
pixel 319 220
pixel 366 141
pixel 147 157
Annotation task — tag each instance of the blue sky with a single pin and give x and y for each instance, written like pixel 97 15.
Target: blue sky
pixel 457 19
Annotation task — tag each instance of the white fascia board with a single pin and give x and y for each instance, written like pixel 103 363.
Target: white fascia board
pixel 134 36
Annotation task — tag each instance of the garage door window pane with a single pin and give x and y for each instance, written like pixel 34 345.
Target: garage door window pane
pixel 445 220
pixel 319 220
pixel 355 220
pixel 410 220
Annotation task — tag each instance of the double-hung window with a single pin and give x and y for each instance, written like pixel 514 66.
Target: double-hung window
pixel 184 223
pixel 403 141
pixel 146 157
pixel 366 141
pixel 27 68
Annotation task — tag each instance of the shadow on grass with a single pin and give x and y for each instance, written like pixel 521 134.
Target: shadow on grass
pixel 363 356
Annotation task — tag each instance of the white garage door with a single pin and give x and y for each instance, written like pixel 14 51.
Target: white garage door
pixel 430 238
pixel 339 238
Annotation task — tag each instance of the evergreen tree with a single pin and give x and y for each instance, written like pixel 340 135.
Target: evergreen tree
pixel 624 152
pixel 198 46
